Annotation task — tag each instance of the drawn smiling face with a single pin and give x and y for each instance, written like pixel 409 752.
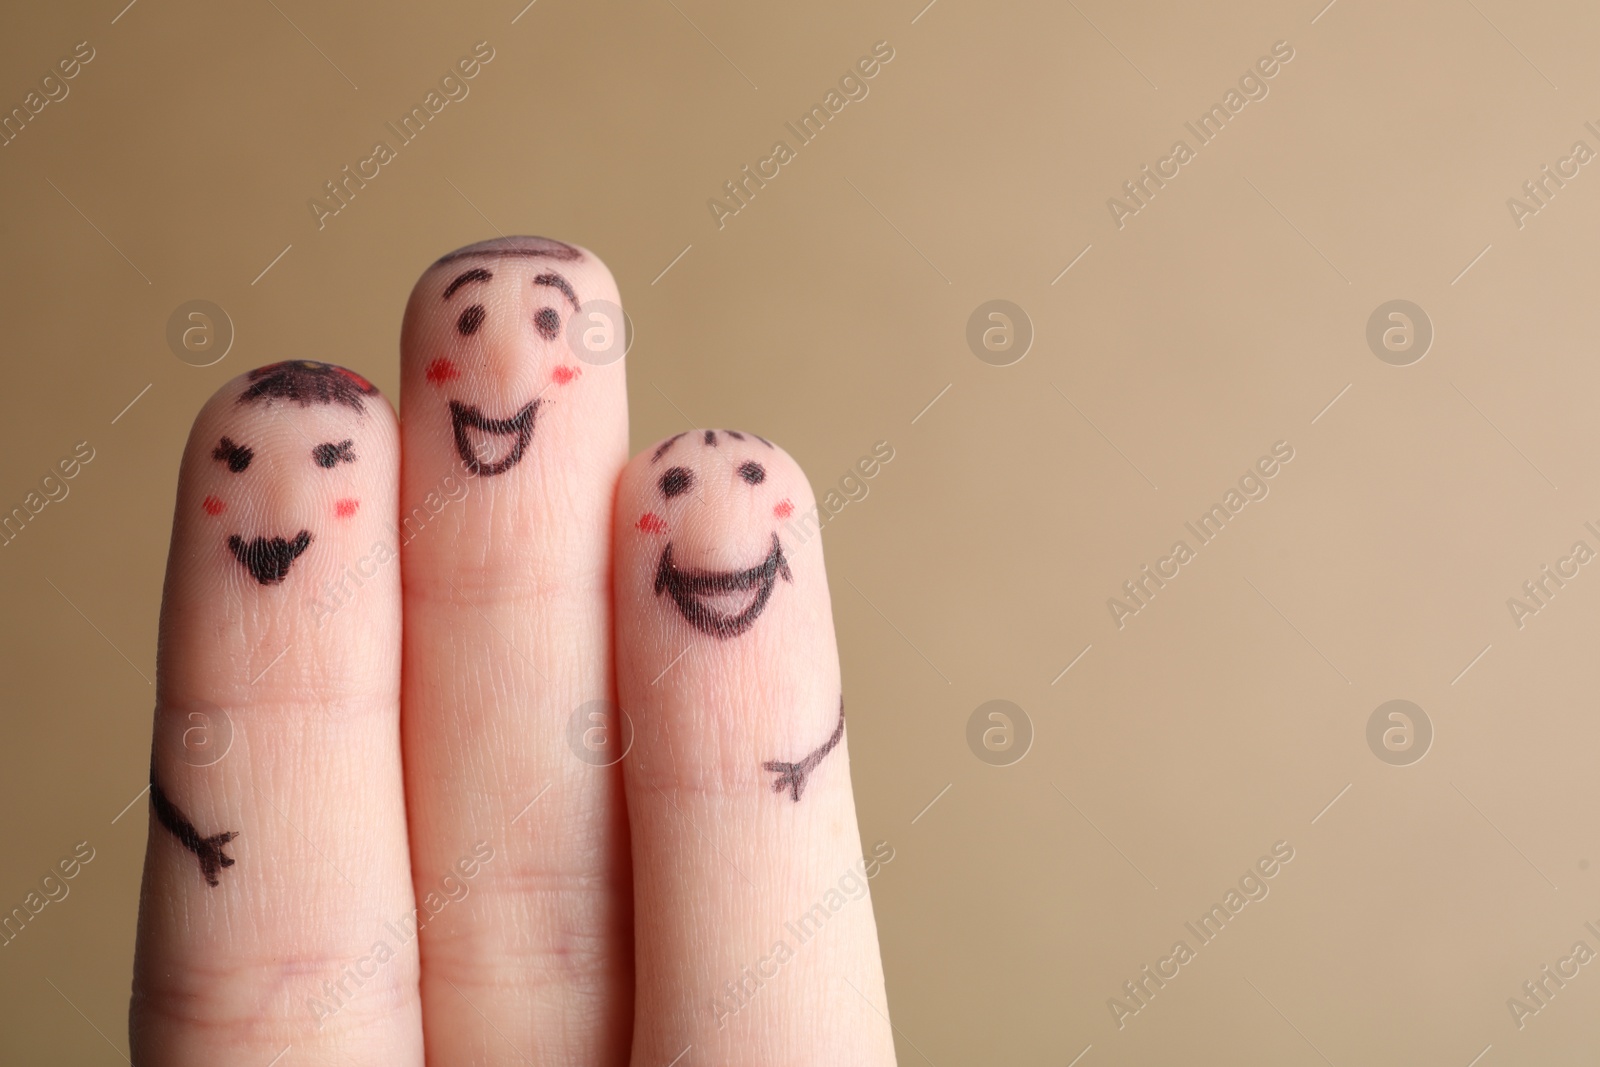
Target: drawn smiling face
pixel 722 603
pixel 268 556
pixel 510 297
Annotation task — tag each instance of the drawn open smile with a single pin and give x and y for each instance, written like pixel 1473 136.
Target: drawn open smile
pixel 722 603
pixel 465 417
pixel 268 558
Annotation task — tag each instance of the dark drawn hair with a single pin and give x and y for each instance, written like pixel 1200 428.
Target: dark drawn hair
pixel 535 247
pixel 661 450
pixel 307 382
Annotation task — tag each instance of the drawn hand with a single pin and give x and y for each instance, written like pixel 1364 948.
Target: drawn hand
pixel 443 844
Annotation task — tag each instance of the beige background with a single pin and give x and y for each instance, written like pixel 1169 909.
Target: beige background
pixel 827 314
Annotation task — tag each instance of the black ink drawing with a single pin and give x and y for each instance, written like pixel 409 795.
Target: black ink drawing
pixel 708 438
pixel 720 603
pixel 465 417
pixel 662 448
pixel 531 247
pixel 470 320
pixel 237 457
pixel 331 455
pixel 792 776
pixel 207 849
pixel 691 590
pixel 471 316
pixel 476 274
pixel 268 558
pixel 547 321
pixel 556 281
pixel 307 382
pixel 676 481
pixel 303 382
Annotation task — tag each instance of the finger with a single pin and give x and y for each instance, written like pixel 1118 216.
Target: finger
pixel 755 935
pixel 277 885
pixel 512 448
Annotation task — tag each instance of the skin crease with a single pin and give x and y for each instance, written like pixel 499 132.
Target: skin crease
pixel 222 975
pixel 426 788
pixel 704 730
pixel 508 631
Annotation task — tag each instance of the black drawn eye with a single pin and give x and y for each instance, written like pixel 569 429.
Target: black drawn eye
pixel 752 472
pixel 676 481
pixel 331 455
pixel 548 322
pixel 470 320
pixel 237 457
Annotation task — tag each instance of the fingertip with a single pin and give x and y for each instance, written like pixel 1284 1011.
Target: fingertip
pixel 575 276
pixel 281 459
pixel 291 384
pixel 713 529
pixel 711 480
pixel 512 350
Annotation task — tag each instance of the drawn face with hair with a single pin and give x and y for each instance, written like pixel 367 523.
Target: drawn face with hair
pixel 503 299
pixel 257 443
pixel 686 469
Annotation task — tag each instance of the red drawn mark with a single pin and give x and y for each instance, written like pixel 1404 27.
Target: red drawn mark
pixel 442 370
pixel 563 375
pixel 650 522
pixel 212 505
pixel 360 382
pixel 345 508
pixel 784 509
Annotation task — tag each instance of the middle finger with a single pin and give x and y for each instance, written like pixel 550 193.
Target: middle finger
pixel 511 448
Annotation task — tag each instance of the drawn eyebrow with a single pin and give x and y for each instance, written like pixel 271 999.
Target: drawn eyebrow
pixel 556 281
pixel 661 450
pixel 476 274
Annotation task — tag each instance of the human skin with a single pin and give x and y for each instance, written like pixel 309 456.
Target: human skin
pixel 432 837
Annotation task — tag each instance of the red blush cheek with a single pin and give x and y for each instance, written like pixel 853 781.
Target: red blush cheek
pixel 784 509
pixel 650 522
pixel 345 508
pixel 212 505
pixel 563 375
pixel 442 370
